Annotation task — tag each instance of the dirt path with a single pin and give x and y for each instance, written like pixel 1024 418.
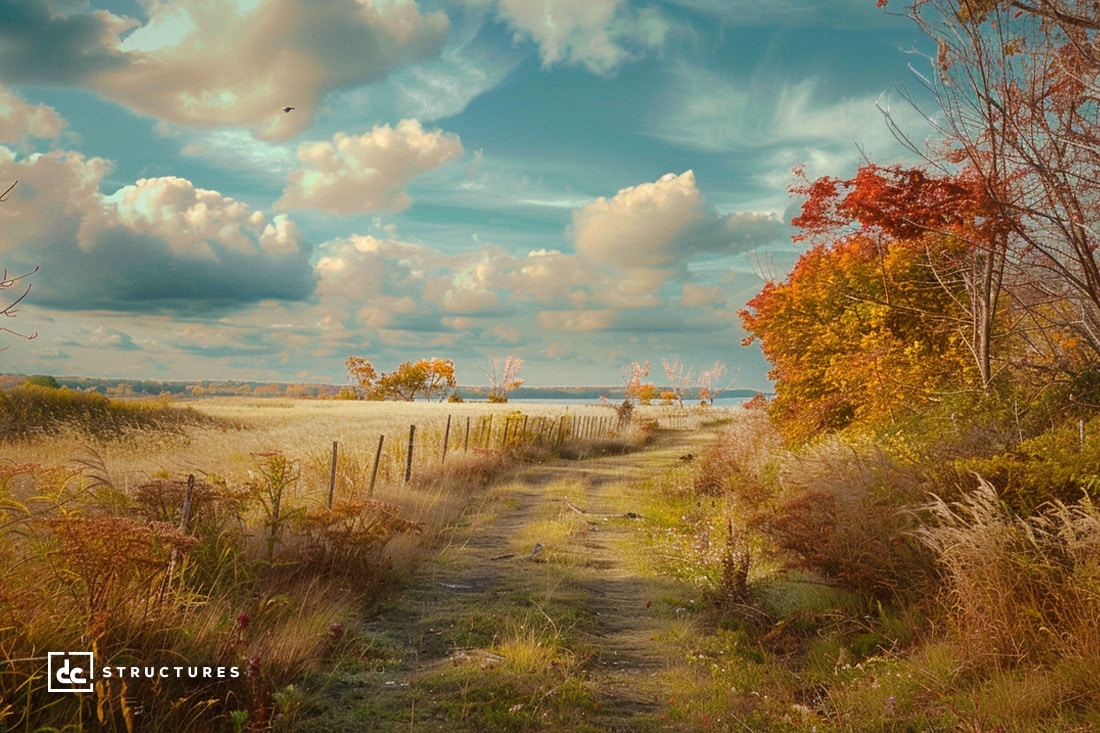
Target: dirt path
pixel 534 616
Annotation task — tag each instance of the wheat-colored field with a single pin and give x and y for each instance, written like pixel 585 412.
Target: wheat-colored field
pixel 271 574
pixel 305 430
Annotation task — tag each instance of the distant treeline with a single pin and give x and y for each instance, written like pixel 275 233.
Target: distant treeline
pixel 121 388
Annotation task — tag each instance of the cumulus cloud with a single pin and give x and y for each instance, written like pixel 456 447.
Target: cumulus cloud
pixel 368 173
pixel 156 242
pixel 598 34
pixel 20 120
pixel 41 46
pixel 646 233
pixel 204 64
pixel 640 225
pixel 631 255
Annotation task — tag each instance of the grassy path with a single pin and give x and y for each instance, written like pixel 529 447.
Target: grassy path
pixel 535 615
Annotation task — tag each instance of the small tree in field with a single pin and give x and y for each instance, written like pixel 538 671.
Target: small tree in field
pixel 440 377
pixel 362 375
pixel 504 377
pixel 427 377
pixel 678 379
pixel 710 383
pixel 636 389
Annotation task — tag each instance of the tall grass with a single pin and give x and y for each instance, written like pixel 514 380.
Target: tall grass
pixel 263 575
pixel 889 610
pixel 1019 589
pixel 33 410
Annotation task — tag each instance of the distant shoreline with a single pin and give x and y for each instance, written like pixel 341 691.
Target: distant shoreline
pixel 187 389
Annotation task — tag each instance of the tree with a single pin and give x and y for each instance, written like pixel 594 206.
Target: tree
pixel 426 377
pixel 361 374
pixel 440 377
pixel 677 378
pixel 503 377
pixel 856 336
pixel 1016 83
pixel 711 386
pixel 633 376
pixel 896 204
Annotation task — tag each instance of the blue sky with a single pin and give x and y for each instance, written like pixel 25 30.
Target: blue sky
pixel 578 183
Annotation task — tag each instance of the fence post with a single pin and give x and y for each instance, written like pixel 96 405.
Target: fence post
pixel 446 440
pixel 332 475
pixel 374 471
pixel 185 514
pixel 466 444
pixel 409 455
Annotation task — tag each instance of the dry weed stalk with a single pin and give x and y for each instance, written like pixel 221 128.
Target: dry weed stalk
pixel 1020 588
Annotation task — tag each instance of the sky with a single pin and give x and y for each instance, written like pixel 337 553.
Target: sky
pixel 581 184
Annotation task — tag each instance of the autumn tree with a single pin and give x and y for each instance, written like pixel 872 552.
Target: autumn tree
pixel 1016 83
pixel 362 375
pixel 679 379
pixel 712 384
pixel 951 217
pixel 440 377
pixel 426 377
pixel 636 387
pixel 503 377
pixel 855 335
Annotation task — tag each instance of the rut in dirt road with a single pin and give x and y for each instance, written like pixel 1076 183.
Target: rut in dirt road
pixel 534 616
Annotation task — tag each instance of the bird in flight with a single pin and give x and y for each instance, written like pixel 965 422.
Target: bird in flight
pixel 287 109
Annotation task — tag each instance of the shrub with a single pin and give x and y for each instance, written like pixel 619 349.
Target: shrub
pixel 113 565
pixel 1060 464
pixel 348 540
pixel 736 462
pixel 841 511
pixel 1018 589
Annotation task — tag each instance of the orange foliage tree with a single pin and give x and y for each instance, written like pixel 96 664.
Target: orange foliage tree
pixel 636 388
pixel 426 378
pixel 1015 82
pixel 876 319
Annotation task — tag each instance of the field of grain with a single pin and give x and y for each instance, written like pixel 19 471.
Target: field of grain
pixel 305 431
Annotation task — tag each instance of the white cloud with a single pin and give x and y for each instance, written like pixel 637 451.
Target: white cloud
pixel 654 228
pixel 598 34
pixel 433 89
pixel 20 120
pixel 639 226
pixel 206 64
pixel 236 150
pixel 157 241
pixel 847 14
pixel 368 173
